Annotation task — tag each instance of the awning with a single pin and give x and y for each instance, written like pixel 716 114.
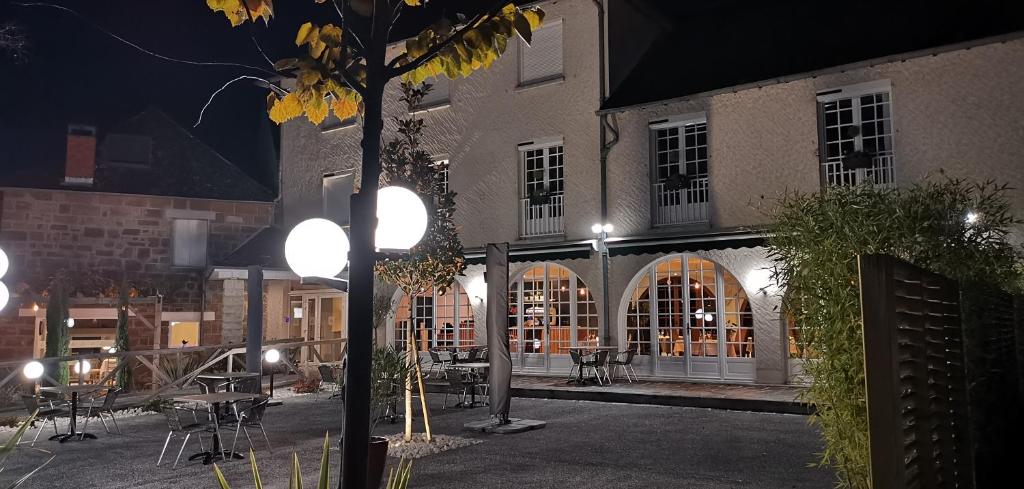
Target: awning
pixel 539 252
pixel 681 244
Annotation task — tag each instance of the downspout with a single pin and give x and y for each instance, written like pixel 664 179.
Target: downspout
pixel 605 125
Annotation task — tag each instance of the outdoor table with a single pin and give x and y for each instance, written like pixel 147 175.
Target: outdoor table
pixel 472 366
pixel 74 389
pixel 229 378
pixel 214 400
pixel 584 351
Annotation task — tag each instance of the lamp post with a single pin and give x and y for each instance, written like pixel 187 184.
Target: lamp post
pixel 317 251
pixel 5 294
pixel 602 230
pixel 271 356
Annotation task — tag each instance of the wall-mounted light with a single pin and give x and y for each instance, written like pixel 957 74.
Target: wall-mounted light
pixel 70 322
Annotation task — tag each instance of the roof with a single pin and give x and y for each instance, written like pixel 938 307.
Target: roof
pixel 179 164
pixel 709 46
pixel 264 248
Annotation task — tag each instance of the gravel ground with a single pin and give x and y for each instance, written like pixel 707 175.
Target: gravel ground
pixel 584 444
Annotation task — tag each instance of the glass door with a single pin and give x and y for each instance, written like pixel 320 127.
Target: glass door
pixel 535 320
pixel 332 325
pixel 671 345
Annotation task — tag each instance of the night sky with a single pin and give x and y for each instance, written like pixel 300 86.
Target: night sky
pixel 75 73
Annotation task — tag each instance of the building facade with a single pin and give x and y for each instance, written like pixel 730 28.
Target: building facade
pixel 142 204
pixel 566 133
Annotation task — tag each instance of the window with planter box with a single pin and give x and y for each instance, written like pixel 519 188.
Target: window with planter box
pixel 679 170
pixel 542 188
pixel 856 135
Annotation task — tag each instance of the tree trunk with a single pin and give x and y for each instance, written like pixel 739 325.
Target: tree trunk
pixel 410 361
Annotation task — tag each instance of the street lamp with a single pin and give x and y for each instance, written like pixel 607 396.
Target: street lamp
pixel 5 295
pixel 601 245
pixel 272 356
pixel 317 251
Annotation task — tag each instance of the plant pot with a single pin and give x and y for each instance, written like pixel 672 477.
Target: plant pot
pixel 377 459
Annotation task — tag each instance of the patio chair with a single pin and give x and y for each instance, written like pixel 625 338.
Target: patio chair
pixel 249 414
pixel 175 426
pixel 45 415
pixel 482 356
pixel 107 407
pixel 600 365
pixel 435 362
pixel 328 379
pixel 472 356
pixel 456 385
pixel 624 360
pixel 577 361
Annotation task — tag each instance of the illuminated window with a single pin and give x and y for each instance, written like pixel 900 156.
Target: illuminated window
pixel 441 320
pixel 551 309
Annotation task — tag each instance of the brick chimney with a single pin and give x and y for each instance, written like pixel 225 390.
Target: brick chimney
pixel 80 164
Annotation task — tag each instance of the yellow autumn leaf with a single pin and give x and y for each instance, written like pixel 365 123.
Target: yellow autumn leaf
pixel 308 78
pixel 233 10
pixel 535 17
pixel 306 31
pixel 413 3
pixel 316 108
pixel 330 35
pixel 263 9
pixel 344 107
pixel 286 108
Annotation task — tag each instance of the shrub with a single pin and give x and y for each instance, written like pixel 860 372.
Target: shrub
pixel 955 228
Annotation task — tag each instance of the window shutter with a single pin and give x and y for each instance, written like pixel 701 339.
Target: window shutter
pixel 337 194
pixel 440 92
pixel 190 242
pixel 542 59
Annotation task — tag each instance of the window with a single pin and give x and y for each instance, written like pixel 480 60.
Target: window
pixel 679 167
pixel 189 237
pixel 441 320
pixel 541 60
pixel 551 309
pixel 183 334
pixel 542 188
pixel 439 94
pixel 855 125
pixel 338 190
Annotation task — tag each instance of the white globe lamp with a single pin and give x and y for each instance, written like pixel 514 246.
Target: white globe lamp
pixel 4 263
pixel 272 356
pixel 5 295
pixel 71 322
pixel 401 219
pixel 317 248
pixel 33 370
pixel 82 367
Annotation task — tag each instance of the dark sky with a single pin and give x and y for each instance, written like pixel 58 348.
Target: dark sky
pixel 75 73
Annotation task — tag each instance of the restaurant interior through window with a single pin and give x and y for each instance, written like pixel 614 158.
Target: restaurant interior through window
pixel 443 319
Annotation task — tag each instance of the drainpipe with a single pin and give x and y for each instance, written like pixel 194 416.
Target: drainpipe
pixel 606 143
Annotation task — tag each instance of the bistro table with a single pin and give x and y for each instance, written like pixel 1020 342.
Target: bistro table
pixel 229 378
pixel 475 366
pixel 214 400
pixel 584 351
pixel 75 390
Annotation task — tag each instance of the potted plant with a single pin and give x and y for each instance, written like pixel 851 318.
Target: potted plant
pixel 389 370
pixel 539 196
pixel 858 160
pixel 677 181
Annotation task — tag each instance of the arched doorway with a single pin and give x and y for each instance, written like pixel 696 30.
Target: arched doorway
pixel 442 319
pixel 550 310
pixel 687 316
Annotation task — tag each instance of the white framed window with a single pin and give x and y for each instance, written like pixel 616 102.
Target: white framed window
pixel 856 135
pixel 541 60
pixel 441 319
pixel 189 237
pixel 679 170
pixel 542 188
pixel 439 94
pixel 337 192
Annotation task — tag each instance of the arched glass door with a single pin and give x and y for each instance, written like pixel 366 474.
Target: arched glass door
pixel 688 316
pixel 440 320
pixel 550 310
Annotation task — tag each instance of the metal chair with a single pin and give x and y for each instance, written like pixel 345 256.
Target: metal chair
pixel 599 365
pixel 249 414
pixel 577 360
pixel 456 385
pixel 175 425
pixel 106 408
pixel 435 362
pixel 328 379
pixel 44 414
pixel 624 360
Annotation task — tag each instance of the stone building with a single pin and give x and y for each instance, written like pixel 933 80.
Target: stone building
pixel 679 131
pixel 143 203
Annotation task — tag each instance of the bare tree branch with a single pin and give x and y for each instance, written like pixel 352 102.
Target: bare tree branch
pixel 394 70
pixel 276 89
pixel 13 40
pixel 142 49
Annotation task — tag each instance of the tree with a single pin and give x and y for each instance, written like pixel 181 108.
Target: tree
pixel 58 339
pixel 13 41
pixel 345 69
pixel 124 376
pixel 437 259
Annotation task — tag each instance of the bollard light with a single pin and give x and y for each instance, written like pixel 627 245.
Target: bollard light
pixel 71 322
pixel 401 219
pixel 317 248
pixel 271 355
pixel 33 370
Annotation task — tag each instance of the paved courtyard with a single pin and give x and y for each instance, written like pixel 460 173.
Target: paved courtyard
pixel 585 444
